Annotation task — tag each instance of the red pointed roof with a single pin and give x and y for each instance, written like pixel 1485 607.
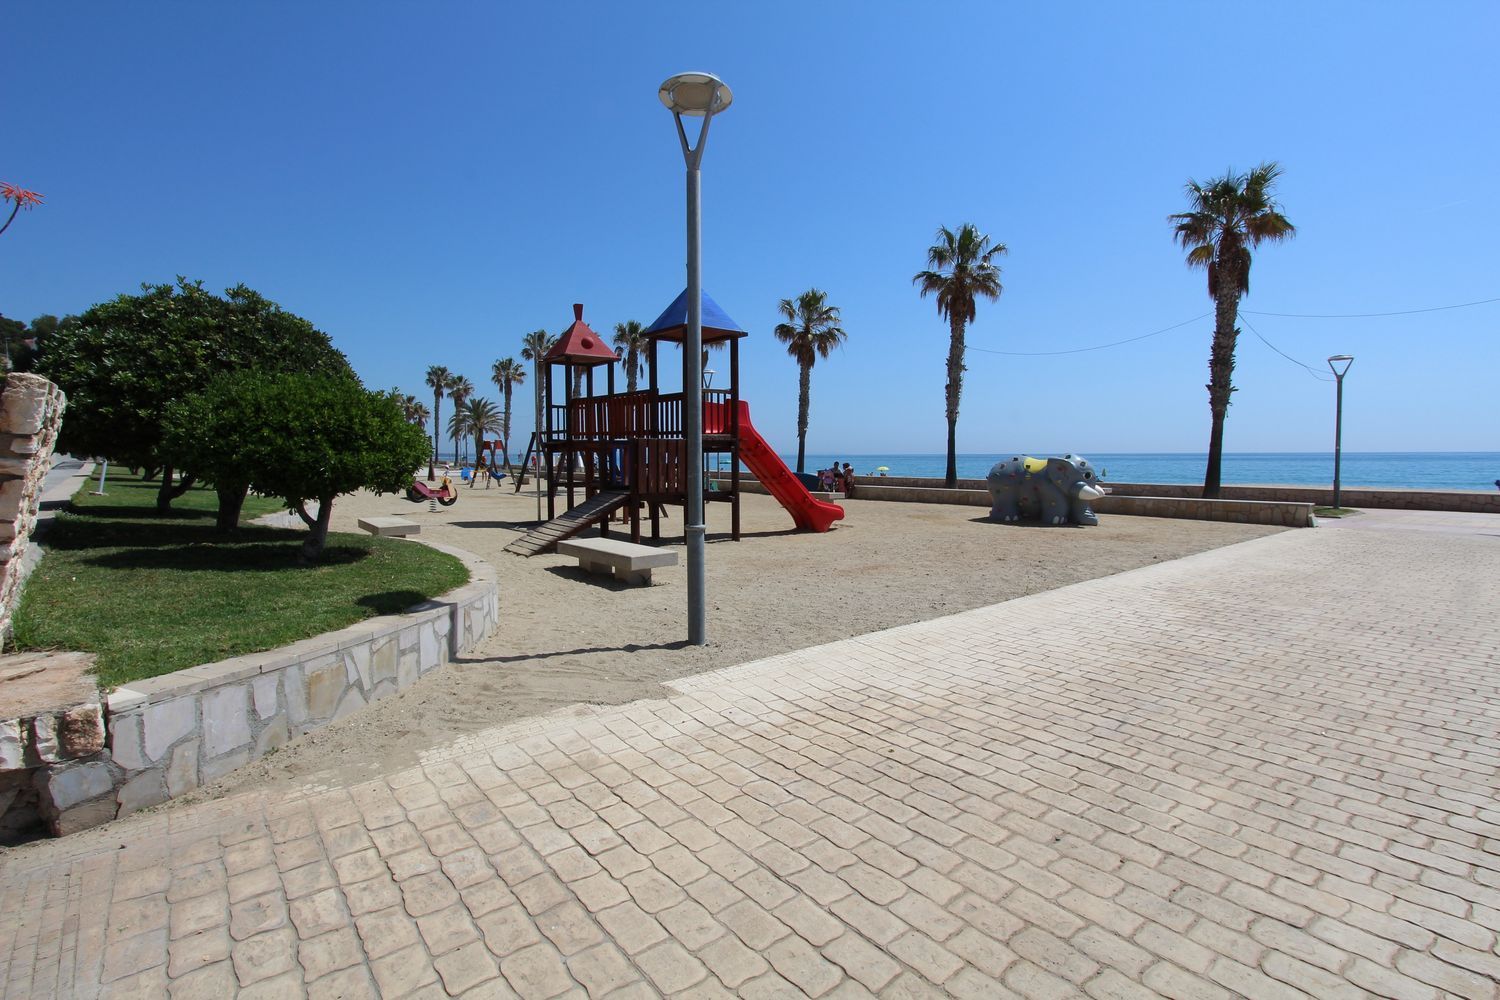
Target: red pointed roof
pixel 580 345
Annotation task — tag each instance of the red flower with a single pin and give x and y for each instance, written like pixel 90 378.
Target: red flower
pixel 22 197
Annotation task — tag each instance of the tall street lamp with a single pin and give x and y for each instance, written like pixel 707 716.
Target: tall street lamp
pixel 697 95
pixel 1338 419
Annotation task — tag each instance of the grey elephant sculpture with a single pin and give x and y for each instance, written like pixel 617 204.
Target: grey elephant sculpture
pixel 1054 490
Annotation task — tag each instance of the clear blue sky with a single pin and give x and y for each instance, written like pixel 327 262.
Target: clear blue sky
pixel 427 183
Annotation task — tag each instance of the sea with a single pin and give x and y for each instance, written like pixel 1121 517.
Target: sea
pixel 1431 470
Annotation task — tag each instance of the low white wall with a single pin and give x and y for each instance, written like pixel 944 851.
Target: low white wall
pixel 170 734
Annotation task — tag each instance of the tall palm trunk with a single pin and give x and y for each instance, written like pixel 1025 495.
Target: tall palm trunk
pixel 1220 384
pixel 437 428
pixel 804 393
pixel 537 395
pixel 505 420
pixel 955 388
pixel 632 362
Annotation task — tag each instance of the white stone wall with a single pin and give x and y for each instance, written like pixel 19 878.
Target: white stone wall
pixel 170 734
pixel 31 411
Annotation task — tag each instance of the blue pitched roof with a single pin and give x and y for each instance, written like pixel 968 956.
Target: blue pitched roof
pixel 672 323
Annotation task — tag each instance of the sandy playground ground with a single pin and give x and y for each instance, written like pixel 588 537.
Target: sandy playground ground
pixel 568 638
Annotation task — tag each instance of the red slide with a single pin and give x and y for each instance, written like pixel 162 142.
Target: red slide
pixel 767 466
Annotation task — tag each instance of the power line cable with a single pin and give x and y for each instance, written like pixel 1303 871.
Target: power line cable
pixel 1310 370
pixel 1100 347
pixel 1401 312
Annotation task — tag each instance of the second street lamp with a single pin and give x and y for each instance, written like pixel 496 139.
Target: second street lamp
pixel 1338 420
pixel 697 95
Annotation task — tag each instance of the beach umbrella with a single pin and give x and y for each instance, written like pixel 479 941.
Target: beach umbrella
pixel 882 468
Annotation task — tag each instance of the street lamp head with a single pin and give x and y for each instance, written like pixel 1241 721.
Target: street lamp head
pixel 695 94
pixel 1347 359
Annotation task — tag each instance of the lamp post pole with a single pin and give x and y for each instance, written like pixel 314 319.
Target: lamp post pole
pixel 1338 421
pixel 697 95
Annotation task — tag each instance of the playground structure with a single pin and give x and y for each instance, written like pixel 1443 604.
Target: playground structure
pixel 625 451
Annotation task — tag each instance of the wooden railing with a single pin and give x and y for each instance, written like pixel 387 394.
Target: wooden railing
pixel 633 415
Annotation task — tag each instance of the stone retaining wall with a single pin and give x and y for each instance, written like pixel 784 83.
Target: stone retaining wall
pixel 31 411
pixel 170 734
pixel 1287 514
pixel 1481 501
pixel 1474 501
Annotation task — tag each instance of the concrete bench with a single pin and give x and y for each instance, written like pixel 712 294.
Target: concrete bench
pixel 629 562
pixel 389 526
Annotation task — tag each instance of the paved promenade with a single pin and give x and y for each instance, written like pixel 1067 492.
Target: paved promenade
pixel 1268 770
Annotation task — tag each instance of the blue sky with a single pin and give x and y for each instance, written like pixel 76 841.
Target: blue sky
pixel 428 183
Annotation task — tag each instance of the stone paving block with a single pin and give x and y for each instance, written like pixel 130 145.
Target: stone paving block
pixel 403 971
pixel 537 971
pixel 466 967
pixel 329 953
pixel 354 983
pixel 602 970
pixel 265 955
pixel 198 950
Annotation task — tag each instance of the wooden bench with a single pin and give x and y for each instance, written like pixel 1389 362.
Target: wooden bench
pixel 389 526
pixel 630 563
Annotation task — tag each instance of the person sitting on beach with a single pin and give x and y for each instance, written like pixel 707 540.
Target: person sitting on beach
pixel 825 480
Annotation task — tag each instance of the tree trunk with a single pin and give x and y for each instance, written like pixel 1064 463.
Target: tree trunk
pixel 437 428
pixel 317 531
pixel 953 390
pixel 804 392
pixel 168 491
pixel 231 502
pixel 1220 380
pixel 537 430
pixel 632 363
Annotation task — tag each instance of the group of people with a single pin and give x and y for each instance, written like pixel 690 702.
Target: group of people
pixel 837 479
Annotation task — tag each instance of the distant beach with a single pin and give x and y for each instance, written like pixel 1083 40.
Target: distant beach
pixel 1412 470
pixel 1453 470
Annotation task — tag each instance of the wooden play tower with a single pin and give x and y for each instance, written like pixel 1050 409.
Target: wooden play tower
pixel 625 450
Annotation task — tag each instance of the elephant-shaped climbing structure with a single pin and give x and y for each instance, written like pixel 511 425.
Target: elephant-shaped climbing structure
pixel 1052 490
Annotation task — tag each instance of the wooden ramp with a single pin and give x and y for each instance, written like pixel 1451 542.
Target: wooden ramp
pixel 591 511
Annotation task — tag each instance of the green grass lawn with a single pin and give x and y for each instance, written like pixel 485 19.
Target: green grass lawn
pixel 153 593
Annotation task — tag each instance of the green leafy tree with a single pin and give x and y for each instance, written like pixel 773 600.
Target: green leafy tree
pixel 507 373
pixel 459 390
pixel 1227 218
pixel 123 362
pixel 534 348
pixel 438 379
pixel 961 268
pixel 302 438
pixel 630 338
pixel 811 331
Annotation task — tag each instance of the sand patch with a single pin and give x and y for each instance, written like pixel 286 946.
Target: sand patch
pixel 568 638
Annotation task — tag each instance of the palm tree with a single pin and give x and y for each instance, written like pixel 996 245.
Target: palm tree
pixel 438 378
pixel 811 332
pixel 534 348
pixel 482 419
pixel 412 409
pixel 630 337
pixel 1227 218
pixel 961 266
pixel 458 427
pixel 459 389
pixel 507 373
